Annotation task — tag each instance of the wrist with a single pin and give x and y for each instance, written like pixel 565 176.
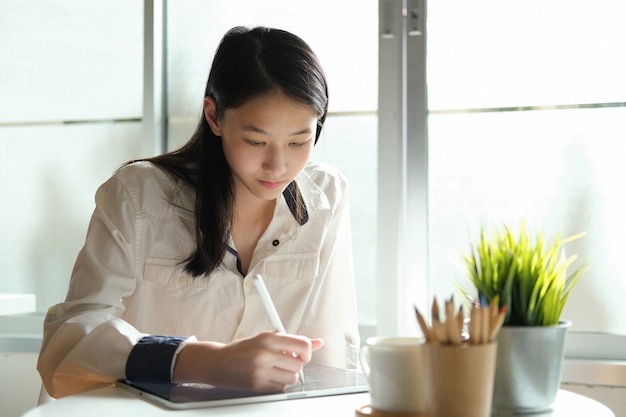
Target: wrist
pixel 194 362
pixel 190 339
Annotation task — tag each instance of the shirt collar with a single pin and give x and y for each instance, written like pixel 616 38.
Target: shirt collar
pixel 293 197
pixel 312 197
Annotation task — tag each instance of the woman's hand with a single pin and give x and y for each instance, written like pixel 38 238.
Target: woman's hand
pixel 266 362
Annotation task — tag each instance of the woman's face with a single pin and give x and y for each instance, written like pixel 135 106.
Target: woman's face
pixel 267 142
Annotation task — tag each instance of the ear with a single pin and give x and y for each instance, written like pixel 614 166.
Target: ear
pixel 210 113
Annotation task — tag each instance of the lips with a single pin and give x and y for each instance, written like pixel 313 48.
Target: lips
pixel 272 185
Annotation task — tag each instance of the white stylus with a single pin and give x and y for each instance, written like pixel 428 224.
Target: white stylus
pixel 270 308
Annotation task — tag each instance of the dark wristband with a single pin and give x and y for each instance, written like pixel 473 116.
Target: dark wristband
pixel 151 358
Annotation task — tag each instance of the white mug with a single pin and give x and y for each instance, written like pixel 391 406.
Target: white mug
pixel 394 369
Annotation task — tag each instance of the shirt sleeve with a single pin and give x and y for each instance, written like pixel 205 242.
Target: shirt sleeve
pixel 86 342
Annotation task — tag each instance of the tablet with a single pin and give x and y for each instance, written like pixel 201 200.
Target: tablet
pixel 319 381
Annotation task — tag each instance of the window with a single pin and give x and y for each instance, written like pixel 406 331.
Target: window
pixel 527 117
pixel 70 114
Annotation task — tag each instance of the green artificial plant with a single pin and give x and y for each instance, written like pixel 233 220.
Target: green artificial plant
pixel 528 275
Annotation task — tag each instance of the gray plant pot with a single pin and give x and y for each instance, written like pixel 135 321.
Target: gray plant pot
pixel 528 368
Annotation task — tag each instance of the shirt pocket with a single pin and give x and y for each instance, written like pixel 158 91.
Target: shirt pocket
pixel 172 302
pixel 170 273
pixel 290 280
pixel 298 266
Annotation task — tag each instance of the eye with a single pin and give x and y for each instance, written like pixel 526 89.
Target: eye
pixel 299 144
pixel 255 143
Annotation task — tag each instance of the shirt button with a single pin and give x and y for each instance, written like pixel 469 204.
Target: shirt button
pixel 240 335
pixel 275 242
pixel 350 338
pixel 182 280
pixel 249 283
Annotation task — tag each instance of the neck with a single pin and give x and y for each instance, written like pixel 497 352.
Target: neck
pixel 250 219
pixel 249 208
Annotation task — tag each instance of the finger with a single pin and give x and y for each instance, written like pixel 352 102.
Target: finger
pixel 278 369
pixel 288 361
pixel 281 375
pixel 274 370
pixel 294 345
pixel 316 344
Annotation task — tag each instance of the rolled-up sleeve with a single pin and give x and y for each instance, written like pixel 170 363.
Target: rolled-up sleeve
pixel 86 342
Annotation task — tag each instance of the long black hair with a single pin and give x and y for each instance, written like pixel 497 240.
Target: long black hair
pixel 248 63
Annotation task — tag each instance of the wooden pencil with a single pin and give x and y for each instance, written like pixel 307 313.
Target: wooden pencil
pixel 423 325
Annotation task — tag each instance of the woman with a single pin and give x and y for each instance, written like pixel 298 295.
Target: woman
pixel 162 289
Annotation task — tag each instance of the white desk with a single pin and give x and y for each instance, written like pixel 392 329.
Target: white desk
pixel 119 403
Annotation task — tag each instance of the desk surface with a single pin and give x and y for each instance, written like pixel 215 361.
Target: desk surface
pixel 116 402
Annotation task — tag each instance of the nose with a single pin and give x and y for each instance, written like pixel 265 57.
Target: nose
pixel 275 161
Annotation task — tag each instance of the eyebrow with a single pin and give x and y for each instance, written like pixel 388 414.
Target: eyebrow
pixel 255 129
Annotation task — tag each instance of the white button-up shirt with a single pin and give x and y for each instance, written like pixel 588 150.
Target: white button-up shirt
pixel 129 280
